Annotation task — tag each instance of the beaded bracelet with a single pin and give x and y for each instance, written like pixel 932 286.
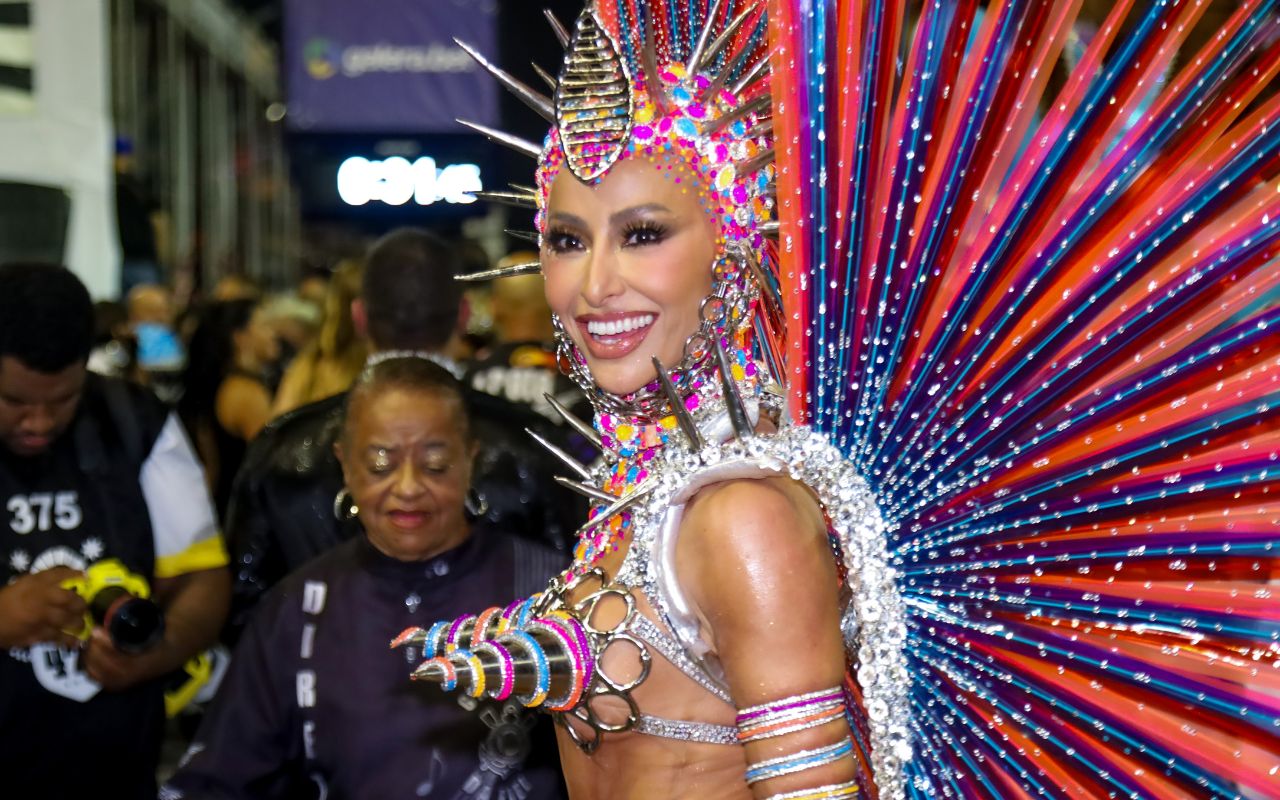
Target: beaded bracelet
pixel 790 715
pixel 797 762
pixel 569 644
pixel 473 663
pixel 579 632
pixel 791 703
pixel 451 641
pixel 431 647
pixel 792 725
pixel 450 672
pixel 482 622
pixel 542 671
pixel 410 635
pixel 506 668
pixel 504 619
pixel 525 611
pixel 829 792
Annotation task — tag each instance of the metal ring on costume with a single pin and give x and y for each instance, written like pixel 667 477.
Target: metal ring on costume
pixel 542 670
pixel 473 663
pixel 451 641
pixel 506 668
pixel 482 622
pixel 577 658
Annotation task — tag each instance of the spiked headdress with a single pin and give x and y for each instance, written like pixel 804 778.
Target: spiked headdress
pixel 682 86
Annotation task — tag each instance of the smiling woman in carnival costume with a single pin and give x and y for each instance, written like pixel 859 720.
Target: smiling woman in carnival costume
pixel 1036 411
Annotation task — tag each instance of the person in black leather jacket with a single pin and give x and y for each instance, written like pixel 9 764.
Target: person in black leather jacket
pixel 281 510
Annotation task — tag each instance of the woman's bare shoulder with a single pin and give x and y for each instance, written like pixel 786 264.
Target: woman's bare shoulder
pixel 766 533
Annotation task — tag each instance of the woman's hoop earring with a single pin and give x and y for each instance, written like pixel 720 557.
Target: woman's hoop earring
pixel 475 504
pixel 344 505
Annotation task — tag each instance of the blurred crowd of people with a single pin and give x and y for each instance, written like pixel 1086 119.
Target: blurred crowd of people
pixel 359 437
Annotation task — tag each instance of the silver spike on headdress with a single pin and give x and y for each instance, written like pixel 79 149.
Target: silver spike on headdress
pixel 562 35
pixel 524 146
pixel 546 76
pixel 594 105
pixel 759 162
pixel 569 461
pixel 695 58
pixel 649 63
pixel 533 99
pixel 725 36
pixel 516 199
pixel 530 268
pixel 525 236
pixel 742 112
pixel 749 77
pixel 683 417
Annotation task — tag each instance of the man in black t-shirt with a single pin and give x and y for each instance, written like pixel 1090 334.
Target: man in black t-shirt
pixel 90 469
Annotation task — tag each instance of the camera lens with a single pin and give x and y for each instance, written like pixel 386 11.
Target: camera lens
pixel 134 624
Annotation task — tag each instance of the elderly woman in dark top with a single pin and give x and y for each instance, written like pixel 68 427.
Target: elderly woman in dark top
pixel 313 694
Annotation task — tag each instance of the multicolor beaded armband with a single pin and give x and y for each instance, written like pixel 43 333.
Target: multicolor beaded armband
pixel 790 714
pixel 797 762
pixel 832 791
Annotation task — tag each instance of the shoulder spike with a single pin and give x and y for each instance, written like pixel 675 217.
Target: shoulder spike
pixel 562 33
pixel 589 492
pixel 524 146
pixel 621 505
pixel 589 433
pixel 687 425
pixel 569 461
pixel 732 397
pixel 757 271
pixel 695 58
pixel 529 268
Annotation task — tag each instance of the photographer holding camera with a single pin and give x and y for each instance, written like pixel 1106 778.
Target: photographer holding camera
pixel 112 573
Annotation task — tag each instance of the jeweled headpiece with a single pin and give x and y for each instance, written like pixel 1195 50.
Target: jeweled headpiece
pixel 690 95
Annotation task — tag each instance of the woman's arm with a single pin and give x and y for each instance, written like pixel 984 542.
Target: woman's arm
pixel 754 558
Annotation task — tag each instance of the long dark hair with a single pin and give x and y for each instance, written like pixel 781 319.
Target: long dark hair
pixel 210 359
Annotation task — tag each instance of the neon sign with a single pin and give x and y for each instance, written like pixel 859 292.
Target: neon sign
pixel 395 181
